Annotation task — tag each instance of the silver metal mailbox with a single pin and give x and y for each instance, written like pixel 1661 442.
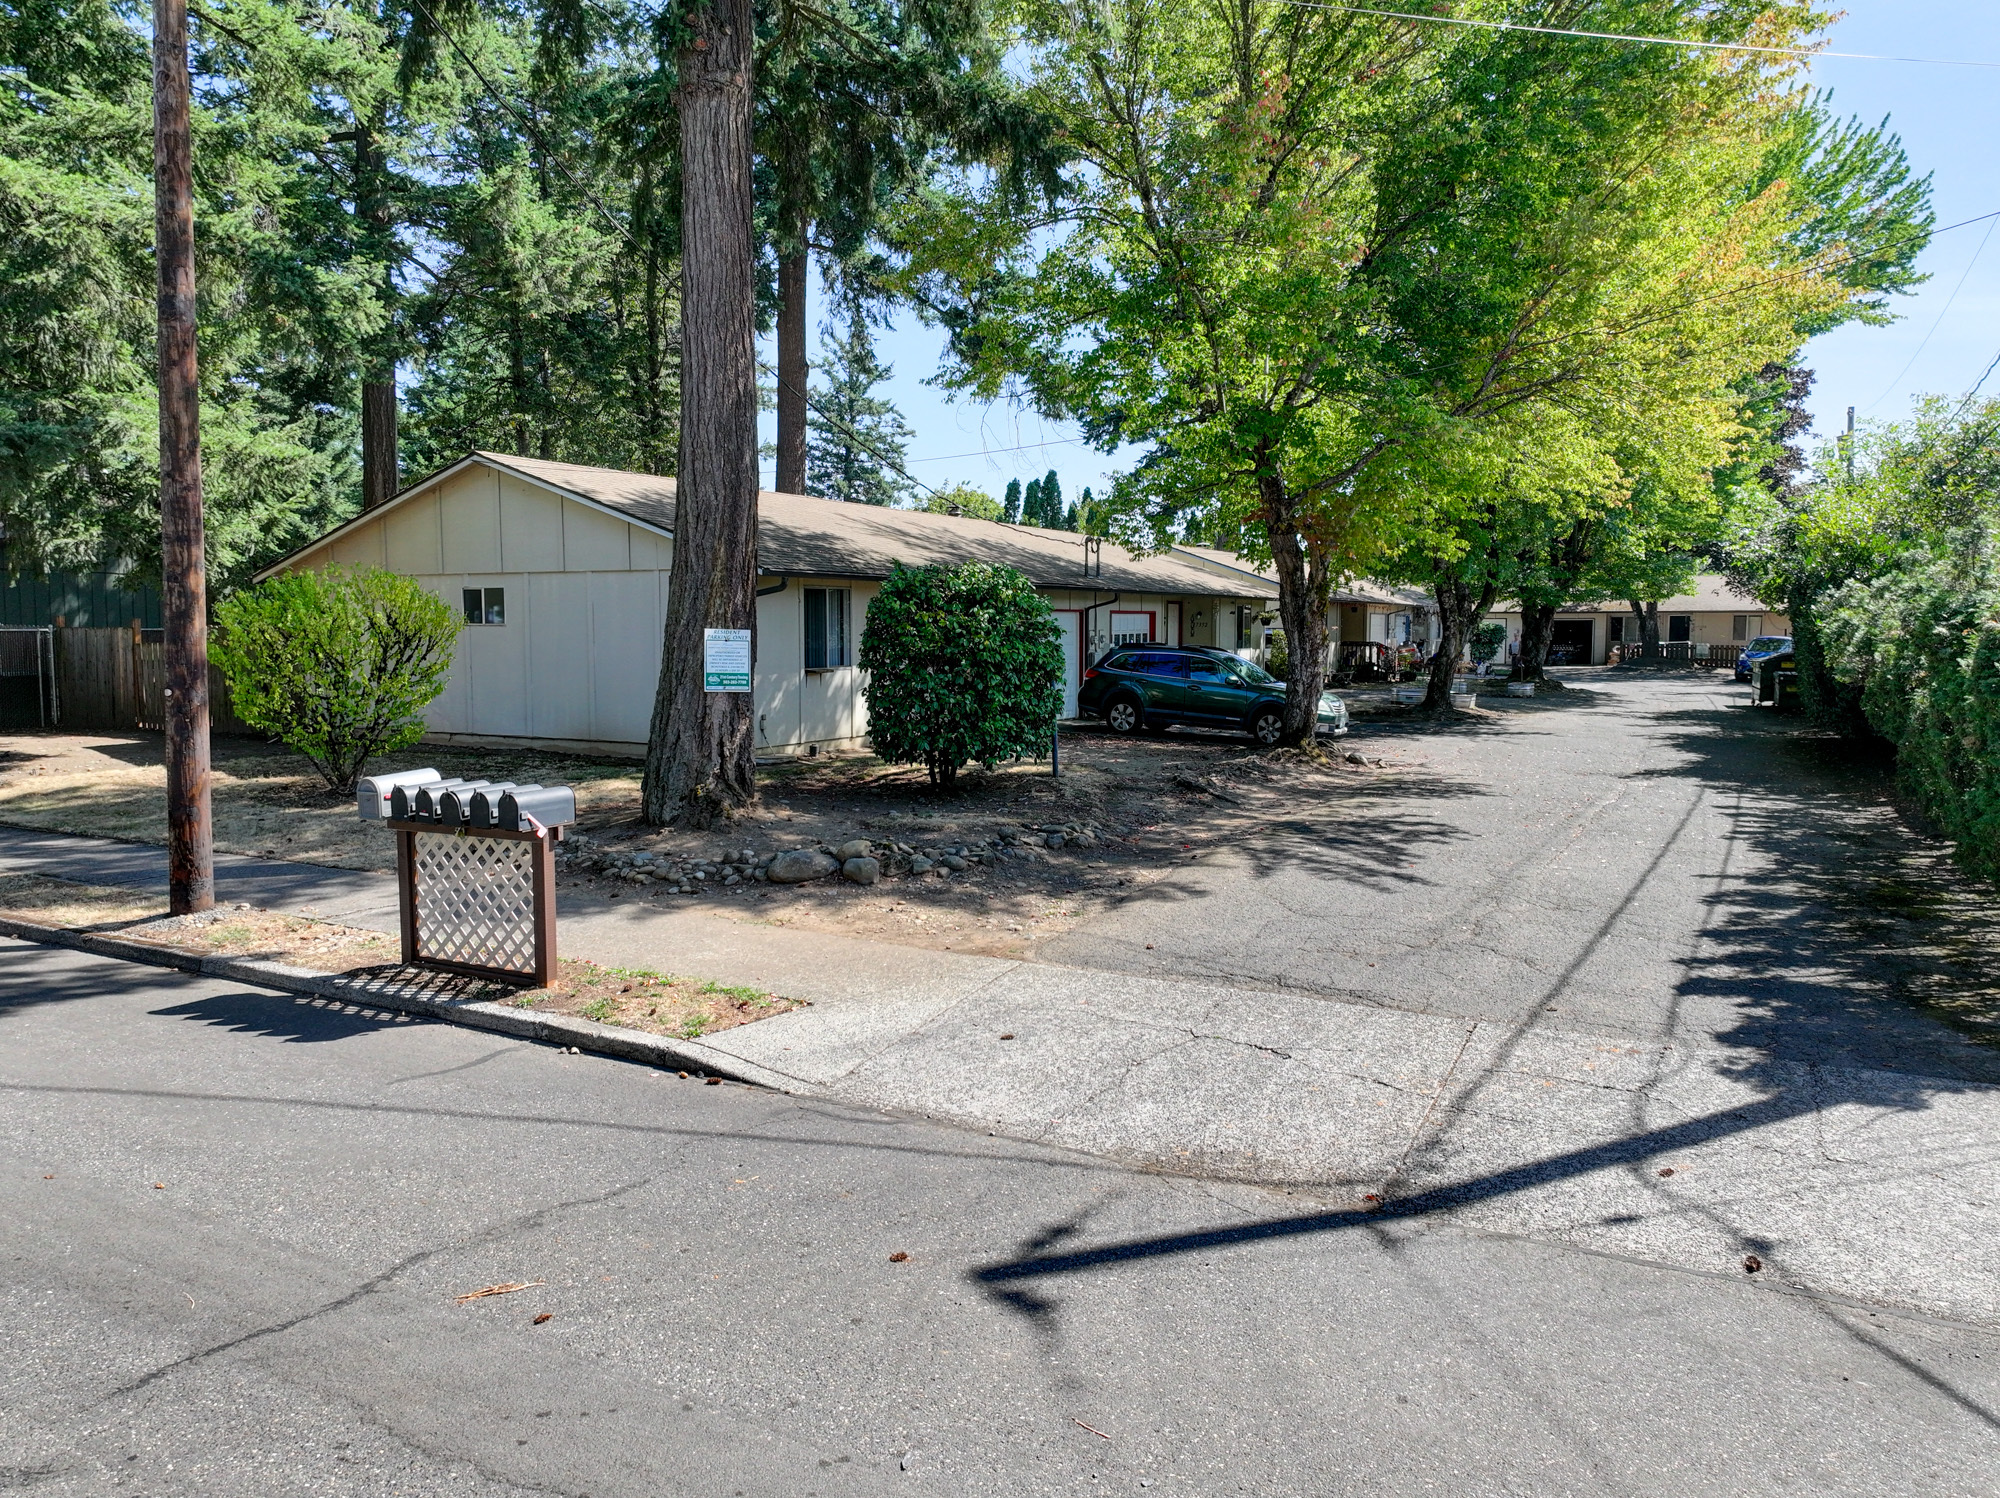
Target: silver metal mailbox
pixel 486 803
pixel 376 792
pixel 545 806
pixel 475 869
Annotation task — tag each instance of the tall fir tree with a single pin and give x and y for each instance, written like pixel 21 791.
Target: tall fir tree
pixel 855 440
pixel 1053 515
pixel 1010 508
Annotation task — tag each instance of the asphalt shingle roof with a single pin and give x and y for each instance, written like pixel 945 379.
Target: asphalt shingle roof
pixel 807 536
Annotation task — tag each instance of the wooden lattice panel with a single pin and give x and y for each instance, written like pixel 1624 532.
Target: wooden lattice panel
pixel 476 901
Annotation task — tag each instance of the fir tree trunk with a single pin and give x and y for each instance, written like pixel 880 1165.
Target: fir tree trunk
pixel 379 475
pixel 698 755
pixel 1305 594
pixel 792 277
pixel 1538 629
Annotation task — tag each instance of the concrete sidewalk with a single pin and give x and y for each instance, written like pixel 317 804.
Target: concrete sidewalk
pixel 1852 1180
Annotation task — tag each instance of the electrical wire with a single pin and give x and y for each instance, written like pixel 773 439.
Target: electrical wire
pixel 1809 53
pixel 986 452
pixel 1890 388
pixel 897 466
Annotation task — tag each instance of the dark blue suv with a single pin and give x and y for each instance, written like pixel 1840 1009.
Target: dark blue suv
pixel 1760 649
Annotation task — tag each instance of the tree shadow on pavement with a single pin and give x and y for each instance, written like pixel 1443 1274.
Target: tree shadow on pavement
pixel 1859 943
pixel 1832 964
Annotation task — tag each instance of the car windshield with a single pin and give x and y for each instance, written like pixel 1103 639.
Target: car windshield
pixel 1255 674
pixel 1769 642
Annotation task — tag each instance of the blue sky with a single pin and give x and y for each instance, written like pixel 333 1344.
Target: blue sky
pixel 1946 334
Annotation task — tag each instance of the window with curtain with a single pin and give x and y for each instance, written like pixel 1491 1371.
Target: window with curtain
pixel 826 629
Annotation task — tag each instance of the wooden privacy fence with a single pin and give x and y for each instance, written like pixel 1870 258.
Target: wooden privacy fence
pixel 116 679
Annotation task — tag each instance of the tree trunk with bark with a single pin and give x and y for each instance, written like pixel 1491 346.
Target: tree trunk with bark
pixel 1305 595
pixel 379 469
pixel 1648 617
pixel 698 755
pixel 1460 608
pixel 792 375
pixel 1538 630
pixel 380 475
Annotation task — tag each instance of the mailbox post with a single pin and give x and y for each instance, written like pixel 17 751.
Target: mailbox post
pixel 475 871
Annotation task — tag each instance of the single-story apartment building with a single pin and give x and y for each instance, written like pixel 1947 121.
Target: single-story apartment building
pixel 561 570
pixel 1364 611
pixel 1715 617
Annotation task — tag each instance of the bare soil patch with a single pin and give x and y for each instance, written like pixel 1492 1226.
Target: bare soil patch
pixel 267 800
pixel 972 870
pixel 636 998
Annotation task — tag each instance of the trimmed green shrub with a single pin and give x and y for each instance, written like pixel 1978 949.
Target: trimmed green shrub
pixel 1486 642
pixel 338 664
pixel 964 664
pixel 1922 642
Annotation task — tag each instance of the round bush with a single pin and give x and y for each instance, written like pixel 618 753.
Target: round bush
pixel 339 664
pixel 964 664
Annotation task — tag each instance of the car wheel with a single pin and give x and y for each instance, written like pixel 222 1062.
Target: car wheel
pixel 1267 726
pixel 1123 716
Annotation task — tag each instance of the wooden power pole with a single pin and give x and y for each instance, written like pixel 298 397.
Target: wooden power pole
pixel 183 568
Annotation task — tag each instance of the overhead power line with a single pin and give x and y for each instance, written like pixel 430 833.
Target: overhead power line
pixel 1807 53
pixel 987 452
pixel 1889 389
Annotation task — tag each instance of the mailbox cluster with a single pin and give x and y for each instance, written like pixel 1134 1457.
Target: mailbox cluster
pixel 475 866
pixel 423 796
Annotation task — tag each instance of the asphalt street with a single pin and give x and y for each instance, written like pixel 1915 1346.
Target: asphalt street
pixel 1645 856
pixel 234 1223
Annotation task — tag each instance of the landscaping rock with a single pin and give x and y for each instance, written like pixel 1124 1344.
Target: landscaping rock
pixel 860 847
pixel 921 865
pixel 1053 840
pixel 953 862
pixel 801 865
pixel 862 869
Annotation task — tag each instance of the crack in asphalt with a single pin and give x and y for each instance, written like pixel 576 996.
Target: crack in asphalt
pixel 537 1218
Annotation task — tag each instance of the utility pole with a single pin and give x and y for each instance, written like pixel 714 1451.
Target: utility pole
pixel 183 569
pixel 1847 444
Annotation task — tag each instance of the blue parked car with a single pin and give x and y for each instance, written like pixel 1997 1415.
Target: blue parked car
pixel 1760 649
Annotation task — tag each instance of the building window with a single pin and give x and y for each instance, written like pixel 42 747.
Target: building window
pixel 485 605
pixel 1680 627
pixel 826 629
pixel 1615 628
pixel 1739 626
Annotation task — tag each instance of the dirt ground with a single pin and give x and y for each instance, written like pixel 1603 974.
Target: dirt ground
pixel 636 998
pixel 267 800
pixel 1127 812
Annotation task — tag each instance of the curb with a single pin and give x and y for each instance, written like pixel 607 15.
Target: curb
pixel 477 1014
